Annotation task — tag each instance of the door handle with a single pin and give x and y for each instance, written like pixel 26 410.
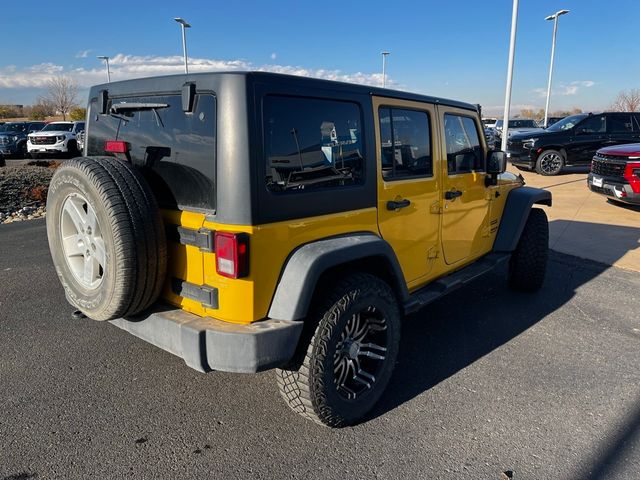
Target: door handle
pixel 393 205
pixel 451 194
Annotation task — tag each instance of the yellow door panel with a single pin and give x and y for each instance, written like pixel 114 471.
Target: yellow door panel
pixel 465 217
pixel 408 179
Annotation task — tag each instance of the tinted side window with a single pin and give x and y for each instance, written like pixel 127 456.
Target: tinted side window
pixel 464 152
pixel 620 123
pixel 406 143
pixel 593 124
pixel 311 143
pixel 174 150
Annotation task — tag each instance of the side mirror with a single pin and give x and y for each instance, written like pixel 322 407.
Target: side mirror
pixel 496 162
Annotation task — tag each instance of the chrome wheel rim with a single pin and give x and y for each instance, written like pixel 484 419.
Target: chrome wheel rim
pixel 360 353
pixel 550 163
pixel 82 242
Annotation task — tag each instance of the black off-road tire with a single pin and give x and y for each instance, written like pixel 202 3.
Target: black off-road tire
pixel 528 264
pixel 308 386
pixel 72 149
pixel 549 163
pixel 22 150
pixel 131 229
pixel 34 155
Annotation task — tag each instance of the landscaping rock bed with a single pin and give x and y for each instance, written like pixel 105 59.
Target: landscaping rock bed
pixel 23 191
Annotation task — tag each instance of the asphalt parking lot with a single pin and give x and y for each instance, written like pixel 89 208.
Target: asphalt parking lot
pixel 488 381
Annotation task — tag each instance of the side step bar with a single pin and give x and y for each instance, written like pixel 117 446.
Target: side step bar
pixel 448 284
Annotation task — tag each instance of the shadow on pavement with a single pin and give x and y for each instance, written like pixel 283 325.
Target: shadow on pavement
pixel 615 448
pixel 597 241
pixel 625 206
pixel 454 332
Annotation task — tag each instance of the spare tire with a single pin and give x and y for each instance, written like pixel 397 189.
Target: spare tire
pixel 106 237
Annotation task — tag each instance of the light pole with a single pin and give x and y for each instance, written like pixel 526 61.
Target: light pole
pixel 553 17
pixel 184 25
pixel 507 95
pixel 384 68
pixel 106 59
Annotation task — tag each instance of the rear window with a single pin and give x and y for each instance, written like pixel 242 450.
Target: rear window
pixel 311 143
pixel 174 150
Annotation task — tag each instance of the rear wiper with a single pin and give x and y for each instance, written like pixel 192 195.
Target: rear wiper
pixel 137 107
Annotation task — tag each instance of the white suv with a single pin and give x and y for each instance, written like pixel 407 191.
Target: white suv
pixel 55 137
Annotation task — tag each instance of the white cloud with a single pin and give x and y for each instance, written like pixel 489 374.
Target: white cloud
pixel 83 53
pixel 565 89
pixel 273 56
pixel 134 66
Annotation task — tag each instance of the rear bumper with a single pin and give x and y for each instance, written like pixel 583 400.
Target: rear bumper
pixel 620 191
pixel 207 344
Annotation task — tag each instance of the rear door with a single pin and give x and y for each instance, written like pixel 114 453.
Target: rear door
pixel 408 190
pixel 620 129
pixel 175 151
pixel 465 196
pixel 588 136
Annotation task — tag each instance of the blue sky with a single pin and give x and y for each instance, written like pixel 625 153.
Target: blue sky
pixel 455 49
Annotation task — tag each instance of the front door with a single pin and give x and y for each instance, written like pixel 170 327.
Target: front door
pixel 408 193
pixel 465 196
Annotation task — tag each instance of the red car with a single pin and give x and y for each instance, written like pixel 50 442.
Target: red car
pixel 615 173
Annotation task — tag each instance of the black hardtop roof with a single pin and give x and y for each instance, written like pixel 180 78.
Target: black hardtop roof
pixel 167 83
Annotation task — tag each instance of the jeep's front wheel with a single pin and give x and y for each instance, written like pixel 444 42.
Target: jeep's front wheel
pixel 528 264
pixel 349 360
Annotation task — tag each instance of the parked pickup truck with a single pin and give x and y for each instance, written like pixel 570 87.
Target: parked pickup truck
pixel 55 138
pixel 615 173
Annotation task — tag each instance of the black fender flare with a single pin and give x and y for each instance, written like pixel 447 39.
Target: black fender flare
pixel 516 211
pixel 308 262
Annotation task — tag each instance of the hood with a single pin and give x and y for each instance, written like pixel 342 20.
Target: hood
pixel 527 131
pixel 48 133
pixel 522 134
pixel 629 150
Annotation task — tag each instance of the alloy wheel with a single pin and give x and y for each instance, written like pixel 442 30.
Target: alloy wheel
pixel 82 242
pixel 550 163
pixel 360 353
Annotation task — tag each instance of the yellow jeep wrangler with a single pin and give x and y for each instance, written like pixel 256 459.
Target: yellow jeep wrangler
pixel 248 221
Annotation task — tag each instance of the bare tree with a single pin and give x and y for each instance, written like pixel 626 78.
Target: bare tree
pixel 40 110
pixel 61 93
pixel 527 113
pixel 627 101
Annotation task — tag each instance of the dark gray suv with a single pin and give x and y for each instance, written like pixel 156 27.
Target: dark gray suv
pixel 13 137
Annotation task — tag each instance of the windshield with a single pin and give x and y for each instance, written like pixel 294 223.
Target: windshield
pixel 13 127
pixel 522 124
pixel 58 127
pixel 518 124
pixel 566 123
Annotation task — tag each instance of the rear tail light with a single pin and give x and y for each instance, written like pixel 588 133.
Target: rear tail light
pixel 632 175
pixel 232 254
pixel 116 146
